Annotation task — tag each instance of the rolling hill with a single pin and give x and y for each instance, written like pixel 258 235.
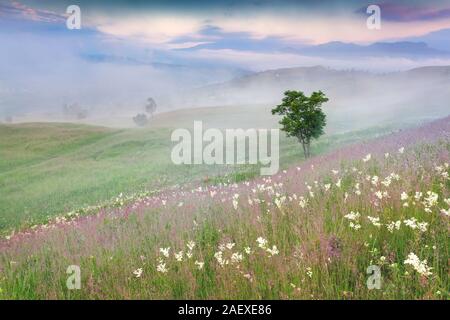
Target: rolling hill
pixel 310 232
pixel 47 169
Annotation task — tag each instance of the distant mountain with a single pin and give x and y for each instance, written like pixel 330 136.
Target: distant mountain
pixel 339 49
pixel 436 72
pixel 108 58
pixel 367 97
pixel 432 45
pixel 192 75
pixel 357 98
pixel 438 39
pixel 115 59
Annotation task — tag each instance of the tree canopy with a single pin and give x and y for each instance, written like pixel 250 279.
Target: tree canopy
pixel 303 117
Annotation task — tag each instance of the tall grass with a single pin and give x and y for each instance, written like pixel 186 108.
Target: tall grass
pixel 49 169
pixel 309 232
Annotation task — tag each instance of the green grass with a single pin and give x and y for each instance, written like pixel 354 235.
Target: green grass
pixel 108 249
pixel 48 169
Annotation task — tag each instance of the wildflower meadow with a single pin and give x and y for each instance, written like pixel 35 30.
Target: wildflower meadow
pixel 321 229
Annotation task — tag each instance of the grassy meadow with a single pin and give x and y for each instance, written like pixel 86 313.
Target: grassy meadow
pixel 49 169
pixel 309 232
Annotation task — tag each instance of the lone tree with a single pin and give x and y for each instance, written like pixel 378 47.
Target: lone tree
pixel 74 111
pixel 140 120
pixel 303 116
pixel 150 107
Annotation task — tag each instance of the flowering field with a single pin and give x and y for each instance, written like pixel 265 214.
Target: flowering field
pixel 310 232
pixel 51 168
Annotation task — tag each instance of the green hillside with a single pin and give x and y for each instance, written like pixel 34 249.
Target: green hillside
pixel 52 168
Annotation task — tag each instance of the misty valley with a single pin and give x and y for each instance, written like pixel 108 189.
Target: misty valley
pixel 217 151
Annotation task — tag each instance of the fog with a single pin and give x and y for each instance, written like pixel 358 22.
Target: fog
pixel 42 76
pixel 39 81
pixel 357 99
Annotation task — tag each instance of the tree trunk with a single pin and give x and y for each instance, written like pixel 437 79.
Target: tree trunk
pixel 305 150
pixel 305 146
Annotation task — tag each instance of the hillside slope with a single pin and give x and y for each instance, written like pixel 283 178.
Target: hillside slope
pixel 310 232
pixel 357 99
pixel 47 169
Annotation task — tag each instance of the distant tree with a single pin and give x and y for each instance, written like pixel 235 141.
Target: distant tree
pixel 151 106
pixel 74 111
pixel 8 119
pixel 303 117
pixel 140 119
pixel 82 114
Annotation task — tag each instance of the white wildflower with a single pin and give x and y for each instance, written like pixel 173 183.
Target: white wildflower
pixel 379 195
pixel 352 216
pixel 236 257
pixel 248 276
pixel 387 181
pixel 179 256
pixel 165 251
pixel 235 201
pixel 230 245
pixel 393 225
pixel 375 180
pixel 420 266
pixel 414 224
pixel 199 264
pixel 262 243
pixel 279 201
pixel 431 199
pixel 422 226
pixel 161 267
pixel 309 272
pixel 274 251
pixel 303 202
pixel 190 245
pixel 355 226
pixel 138 272
pixel 219 257
pixel 418 196
pixel 395 176
pixel 375 221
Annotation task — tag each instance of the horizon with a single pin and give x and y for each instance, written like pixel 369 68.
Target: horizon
pixel 124 52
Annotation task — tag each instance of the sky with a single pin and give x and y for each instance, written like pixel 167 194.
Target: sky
pixel 124 48
pixel 165 23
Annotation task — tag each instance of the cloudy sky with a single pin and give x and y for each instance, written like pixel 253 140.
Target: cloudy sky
pixel 258 26
pixel 38 52
pixel 181 23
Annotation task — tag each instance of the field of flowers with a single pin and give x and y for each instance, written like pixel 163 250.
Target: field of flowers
pixel 310 232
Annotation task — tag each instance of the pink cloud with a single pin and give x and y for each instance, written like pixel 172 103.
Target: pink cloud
pixel 17 10
pixel 404 13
